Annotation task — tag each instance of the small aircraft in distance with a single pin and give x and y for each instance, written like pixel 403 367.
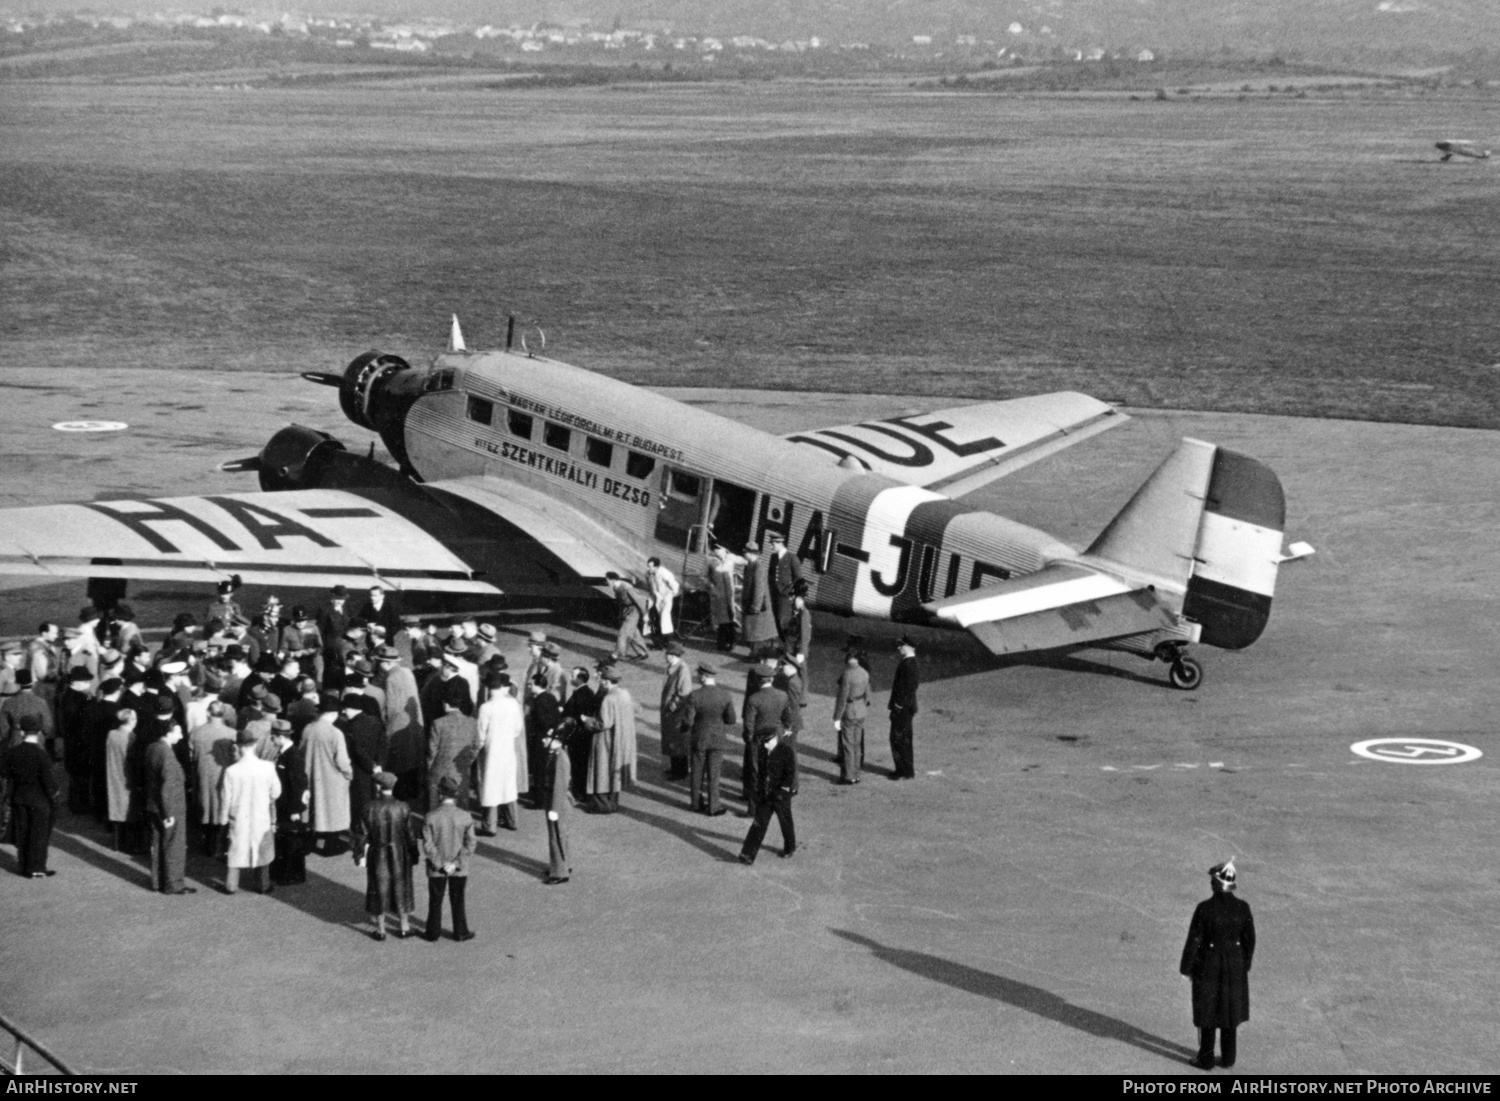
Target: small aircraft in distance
pixel 520 475
pixel 1451 148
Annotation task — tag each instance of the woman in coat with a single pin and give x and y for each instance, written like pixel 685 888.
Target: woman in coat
pixel 724 596
pixel 390 851
pixel 123 780
pixel 1216 957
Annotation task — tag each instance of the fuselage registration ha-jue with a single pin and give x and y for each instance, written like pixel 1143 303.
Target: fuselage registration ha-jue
pixel 517 474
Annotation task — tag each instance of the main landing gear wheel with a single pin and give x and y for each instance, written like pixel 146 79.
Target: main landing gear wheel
pixel 1186 674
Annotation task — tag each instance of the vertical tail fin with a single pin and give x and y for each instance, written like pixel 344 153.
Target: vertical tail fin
pixel 1239 550
pixel 1207 525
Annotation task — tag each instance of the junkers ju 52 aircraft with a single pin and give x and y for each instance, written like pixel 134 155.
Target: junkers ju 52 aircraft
pixel 518 474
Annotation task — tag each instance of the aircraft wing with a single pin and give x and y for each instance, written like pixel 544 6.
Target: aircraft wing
pixel 306 538
pixel 1060 606
pixel 955 451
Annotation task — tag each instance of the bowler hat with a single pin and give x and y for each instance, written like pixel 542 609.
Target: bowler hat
pixel 676 649
pixel 387 780
pixel 81 673
pixel 447 787
pixel 110 686
pixel 271 705
pixel 248 736
pixel 266 663
pixel 752 548
pixel 328 701
pixel 164 705
pixel 88 612
pixel 338 592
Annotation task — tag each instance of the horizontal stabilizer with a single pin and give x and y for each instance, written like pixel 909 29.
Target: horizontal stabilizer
pixel 1059 606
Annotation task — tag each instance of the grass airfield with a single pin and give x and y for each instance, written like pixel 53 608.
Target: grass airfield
pixel 171 256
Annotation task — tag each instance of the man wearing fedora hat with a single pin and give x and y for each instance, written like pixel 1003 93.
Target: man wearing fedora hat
pixel 1216 958
pixel 251 789
pixel 406 741
pixel 675 689
pixel 166 812
pixel 453 743
pixel 613 762
pixel 757 616
pixel 325 755
pixel 796 636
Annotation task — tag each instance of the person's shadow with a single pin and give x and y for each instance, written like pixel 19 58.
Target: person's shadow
pixel 1033 999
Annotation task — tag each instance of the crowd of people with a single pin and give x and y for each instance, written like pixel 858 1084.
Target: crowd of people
pixel 263 738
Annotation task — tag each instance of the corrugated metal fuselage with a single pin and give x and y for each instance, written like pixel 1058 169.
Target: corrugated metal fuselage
pixel 665 478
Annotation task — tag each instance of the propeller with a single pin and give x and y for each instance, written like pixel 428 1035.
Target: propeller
pixel 323 378
pixel 241 466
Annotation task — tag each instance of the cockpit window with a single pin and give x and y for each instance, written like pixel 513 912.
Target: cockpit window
pixel 481 411
pixel 438 380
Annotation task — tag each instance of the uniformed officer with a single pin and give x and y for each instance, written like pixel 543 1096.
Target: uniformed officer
pixel 850 704
pixel 903 707
pixel 1216 957
pixel 777 775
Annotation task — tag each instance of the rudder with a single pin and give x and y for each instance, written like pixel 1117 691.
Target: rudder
pixel 1238 551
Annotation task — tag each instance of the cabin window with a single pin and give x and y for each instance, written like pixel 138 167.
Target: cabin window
pixel 481 411
pixel 555 435
pixel 520 424
pixel 638 465
pixel 686 486
pixel 599 452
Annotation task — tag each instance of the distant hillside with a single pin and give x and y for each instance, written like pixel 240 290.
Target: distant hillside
pixel 1328 30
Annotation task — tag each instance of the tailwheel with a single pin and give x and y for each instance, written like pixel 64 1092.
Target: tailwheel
pixel 1185 673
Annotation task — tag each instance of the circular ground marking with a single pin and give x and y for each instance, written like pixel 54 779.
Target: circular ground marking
pixel 90 426
pixel 1416 751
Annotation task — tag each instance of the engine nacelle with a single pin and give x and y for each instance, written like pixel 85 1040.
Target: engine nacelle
pixel 296 458
pixel 378 389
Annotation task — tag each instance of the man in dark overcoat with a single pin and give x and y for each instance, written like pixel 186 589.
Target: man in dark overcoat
pixel 166 811
pixel 708 715
pixel 1216 957
pixel 777 775
pixel 903 708
pixel 757 615
pixel 675 689
pixel 768 713
pixel 582 709
pixel 785 571
pixel 557 777
pixel 27 770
